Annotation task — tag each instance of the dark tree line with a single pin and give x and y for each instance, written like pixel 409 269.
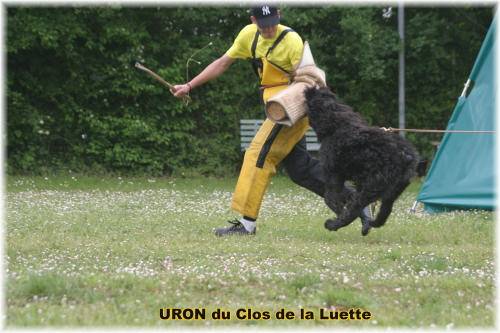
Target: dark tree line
pixel 74 100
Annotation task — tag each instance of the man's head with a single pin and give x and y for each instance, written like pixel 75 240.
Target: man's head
pixel 267 19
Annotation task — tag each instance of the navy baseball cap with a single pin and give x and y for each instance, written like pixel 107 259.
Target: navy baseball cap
pixel 266 15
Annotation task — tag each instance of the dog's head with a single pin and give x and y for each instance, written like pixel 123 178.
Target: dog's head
pixel 324 110
pixel 322 99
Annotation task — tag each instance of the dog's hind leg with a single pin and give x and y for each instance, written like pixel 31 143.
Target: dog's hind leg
pixel 365 216
pixel 383 214
pixel 387 203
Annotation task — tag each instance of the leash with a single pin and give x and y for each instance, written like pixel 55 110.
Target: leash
pixel 390 129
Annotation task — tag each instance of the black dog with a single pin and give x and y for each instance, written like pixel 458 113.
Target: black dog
pixel 381 164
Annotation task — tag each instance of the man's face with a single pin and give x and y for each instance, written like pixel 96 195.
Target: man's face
pixel 267 32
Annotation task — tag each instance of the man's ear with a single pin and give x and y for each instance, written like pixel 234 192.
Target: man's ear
pixel 252 18
pixel 279 13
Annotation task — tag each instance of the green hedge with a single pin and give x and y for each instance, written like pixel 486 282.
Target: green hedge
pixel 74 100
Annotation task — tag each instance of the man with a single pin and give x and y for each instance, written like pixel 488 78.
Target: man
pixel 273 49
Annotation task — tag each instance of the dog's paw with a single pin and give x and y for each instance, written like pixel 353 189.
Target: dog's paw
pixel 365 229
pixel 331 225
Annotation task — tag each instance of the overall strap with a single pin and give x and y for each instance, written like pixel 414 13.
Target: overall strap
pixel 254 44
pixel 280 37
pixel 256 63
pixel 276 65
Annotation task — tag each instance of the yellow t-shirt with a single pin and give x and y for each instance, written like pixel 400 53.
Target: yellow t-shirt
pixel 285 54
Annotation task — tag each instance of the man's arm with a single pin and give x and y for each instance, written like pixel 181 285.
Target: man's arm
pixel 210 72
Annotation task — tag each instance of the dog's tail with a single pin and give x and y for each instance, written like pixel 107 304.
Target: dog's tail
pixel 422 164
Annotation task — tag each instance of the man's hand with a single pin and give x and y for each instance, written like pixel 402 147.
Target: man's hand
pixel 181 90
pixel 210 72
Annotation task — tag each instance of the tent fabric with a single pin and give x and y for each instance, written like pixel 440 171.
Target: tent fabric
pixel 462 174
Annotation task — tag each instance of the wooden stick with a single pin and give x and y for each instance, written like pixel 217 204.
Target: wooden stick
pixel 161 80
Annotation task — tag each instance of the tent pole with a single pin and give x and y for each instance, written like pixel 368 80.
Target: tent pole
pixel 466 87
pixel 414 208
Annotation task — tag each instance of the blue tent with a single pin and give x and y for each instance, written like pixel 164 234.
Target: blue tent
pixel 462 174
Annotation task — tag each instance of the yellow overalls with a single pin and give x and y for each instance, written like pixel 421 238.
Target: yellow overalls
pixel 271 144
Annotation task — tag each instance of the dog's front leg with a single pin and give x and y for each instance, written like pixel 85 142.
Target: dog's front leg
pixel 335 196
pixel 349 213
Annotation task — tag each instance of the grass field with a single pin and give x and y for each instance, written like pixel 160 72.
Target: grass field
pixel 110 252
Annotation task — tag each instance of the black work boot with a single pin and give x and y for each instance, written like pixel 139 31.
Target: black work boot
pixel 236 229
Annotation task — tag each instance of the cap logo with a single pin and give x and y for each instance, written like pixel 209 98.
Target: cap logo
pixel 265 10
